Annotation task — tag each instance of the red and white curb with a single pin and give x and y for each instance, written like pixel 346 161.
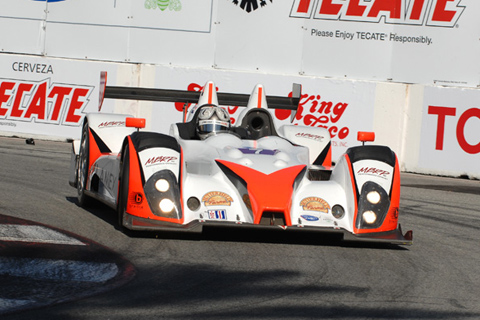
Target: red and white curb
pixel 40 266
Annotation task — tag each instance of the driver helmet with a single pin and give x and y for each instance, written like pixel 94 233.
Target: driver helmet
pixel 212 120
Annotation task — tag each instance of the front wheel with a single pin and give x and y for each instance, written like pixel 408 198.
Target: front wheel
pixel 123 189
pixel 82 170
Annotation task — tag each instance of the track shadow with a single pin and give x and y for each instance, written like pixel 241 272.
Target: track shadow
pixel 205 291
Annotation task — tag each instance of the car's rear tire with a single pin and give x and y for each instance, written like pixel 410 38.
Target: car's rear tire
pixel 83 167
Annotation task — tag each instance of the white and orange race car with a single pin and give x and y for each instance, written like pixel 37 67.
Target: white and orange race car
pixel 251 174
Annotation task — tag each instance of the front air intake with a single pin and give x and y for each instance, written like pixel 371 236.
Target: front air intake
pixel 273 219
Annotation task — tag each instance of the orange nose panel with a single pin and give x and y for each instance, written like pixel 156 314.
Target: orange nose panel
pixel 268 192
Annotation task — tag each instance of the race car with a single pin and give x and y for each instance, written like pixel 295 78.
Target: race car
pixel 208 171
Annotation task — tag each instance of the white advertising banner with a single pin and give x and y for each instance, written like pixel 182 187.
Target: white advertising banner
pixel 411 41
pixel 47 97
pixel 450 135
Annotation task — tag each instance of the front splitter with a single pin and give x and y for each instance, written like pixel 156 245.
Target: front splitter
pixel 393 237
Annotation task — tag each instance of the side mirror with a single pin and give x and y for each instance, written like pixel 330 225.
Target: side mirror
pixel 135 123
pixel 364 136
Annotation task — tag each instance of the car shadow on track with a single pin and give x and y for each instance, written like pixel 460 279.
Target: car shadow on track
pixel 235 234
pixel 98 209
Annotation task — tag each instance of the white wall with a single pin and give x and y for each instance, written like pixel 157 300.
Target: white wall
pixel 364 40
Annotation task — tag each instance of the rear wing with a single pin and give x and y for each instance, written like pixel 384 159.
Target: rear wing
pixel 184 96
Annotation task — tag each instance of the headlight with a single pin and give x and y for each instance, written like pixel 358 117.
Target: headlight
pixel 193 203
pixel 166 205
pixel 373 197
pixel 162 185
pixel 337 211
pixel 369 217
pixel 163 194
pixel 373 205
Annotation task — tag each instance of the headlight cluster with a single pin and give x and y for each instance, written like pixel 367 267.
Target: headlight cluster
pixel 373 206
pixel 163 194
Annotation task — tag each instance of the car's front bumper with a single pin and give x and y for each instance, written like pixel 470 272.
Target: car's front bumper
pixel 393 237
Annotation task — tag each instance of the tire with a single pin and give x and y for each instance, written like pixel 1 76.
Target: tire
pixel 123 189
pixel 82 170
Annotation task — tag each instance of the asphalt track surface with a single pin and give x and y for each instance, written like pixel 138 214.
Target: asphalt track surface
pixel 233 274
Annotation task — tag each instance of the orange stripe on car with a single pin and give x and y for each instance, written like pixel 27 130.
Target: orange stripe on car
pixel 328 159
pixel 210 93
pixel 260 94
pixel 268 192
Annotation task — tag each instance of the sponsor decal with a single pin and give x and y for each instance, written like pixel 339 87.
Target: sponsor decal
pixel 172 5
pixel 9 124
pixel 373 172
pixel 395 213
pixel 315 204
pixel 217 198
pixel 217 214
pixel 250 5
pixel 110 124
pixel 315 137
pixel 328 220
pixel 314 111
pixel 158 160
pixel 375 36
pixel 442 113
pixel 32 67
pixel 439 13
pixel 135 200
pixel 309 218
pixel 108 179
pixel 250 150
pixel 43 102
